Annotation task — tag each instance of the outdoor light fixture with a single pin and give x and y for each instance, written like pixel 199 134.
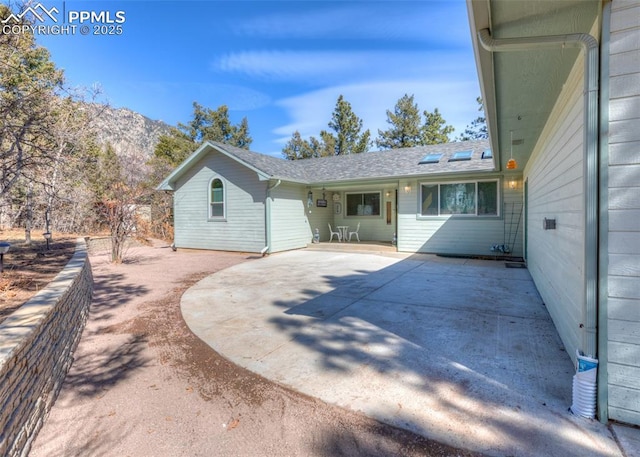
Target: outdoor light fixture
pixel 47 236
pixel 4 248
pixel 512 164
pixel 512 184
pixel 407 189
pixel 310 199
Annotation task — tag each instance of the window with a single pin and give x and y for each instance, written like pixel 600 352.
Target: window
pixel 465 198
pixel 363 204
pixel 431 158
pixel 461 155
pixel 487 154
pixel 216 199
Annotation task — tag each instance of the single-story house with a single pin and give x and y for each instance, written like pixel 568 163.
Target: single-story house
pixel 560 82
pixel 561 86
pixel 445 198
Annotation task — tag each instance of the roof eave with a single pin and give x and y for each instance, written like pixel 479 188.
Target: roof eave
pixel 479 18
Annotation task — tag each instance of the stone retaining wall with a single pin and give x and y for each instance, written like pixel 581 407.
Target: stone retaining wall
pixel 36 351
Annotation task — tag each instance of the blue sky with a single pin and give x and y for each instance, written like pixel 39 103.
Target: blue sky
pixel 282 64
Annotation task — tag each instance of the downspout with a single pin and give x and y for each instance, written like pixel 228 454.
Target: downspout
pixel 590 46
pixel 267 222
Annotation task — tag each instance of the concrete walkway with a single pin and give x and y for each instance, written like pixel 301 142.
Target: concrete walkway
pixel 460 351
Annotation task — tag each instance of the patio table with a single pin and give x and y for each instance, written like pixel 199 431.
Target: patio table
pixel 344 230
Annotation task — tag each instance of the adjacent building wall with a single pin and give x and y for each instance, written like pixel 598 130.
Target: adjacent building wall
pixel 461 235
pixel 243 228
pixel 372 228
pixel 555 257
pixel 289 223
pixel 624 214
pixel 319 218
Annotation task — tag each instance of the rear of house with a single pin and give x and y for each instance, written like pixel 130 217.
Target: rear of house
pixel 446 199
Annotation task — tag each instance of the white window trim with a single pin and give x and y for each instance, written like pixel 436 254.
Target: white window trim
pixel 379 216
pixel 467 181
pixel 222 218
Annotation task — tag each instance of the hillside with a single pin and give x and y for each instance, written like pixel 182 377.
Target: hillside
pixel 131 134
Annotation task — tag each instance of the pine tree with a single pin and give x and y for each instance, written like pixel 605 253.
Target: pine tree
pixel 405 127
pixel 347 127
pixel 477 130
pixel 435 130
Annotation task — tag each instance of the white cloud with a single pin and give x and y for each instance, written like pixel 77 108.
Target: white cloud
pixel 310 112
pixel 407 20
pixel 339 67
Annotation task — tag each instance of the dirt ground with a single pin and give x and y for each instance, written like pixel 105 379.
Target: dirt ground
pixel 143 385
pixel 30 267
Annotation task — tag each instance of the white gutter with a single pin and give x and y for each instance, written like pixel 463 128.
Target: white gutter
pixel 591 84
pixel 267 222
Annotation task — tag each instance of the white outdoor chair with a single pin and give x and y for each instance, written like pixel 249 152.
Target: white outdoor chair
pixel 355 233
pixel 334 233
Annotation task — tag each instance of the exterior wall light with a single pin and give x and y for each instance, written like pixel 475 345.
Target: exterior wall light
pixel 512 184
pixel 407 189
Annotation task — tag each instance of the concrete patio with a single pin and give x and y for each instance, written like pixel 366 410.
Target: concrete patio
pixel 458 350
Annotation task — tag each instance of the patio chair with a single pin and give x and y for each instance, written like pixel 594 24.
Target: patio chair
pixel 334 233
pixel 355 233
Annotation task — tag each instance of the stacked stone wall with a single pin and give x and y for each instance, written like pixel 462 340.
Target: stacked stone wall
pixel 37 343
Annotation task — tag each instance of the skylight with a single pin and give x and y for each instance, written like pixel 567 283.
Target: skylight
pixel 487 154
pixel 461 155
pixel 432 158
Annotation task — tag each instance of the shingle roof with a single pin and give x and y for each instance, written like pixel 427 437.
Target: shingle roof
pixel 392 163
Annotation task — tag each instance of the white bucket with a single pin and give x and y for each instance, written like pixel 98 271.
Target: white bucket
pixel 584 387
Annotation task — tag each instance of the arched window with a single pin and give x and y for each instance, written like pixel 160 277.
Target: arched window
pixel 216 199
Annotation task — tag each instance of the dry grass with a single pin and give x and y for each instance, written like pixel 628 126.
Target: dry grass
pixel 30 267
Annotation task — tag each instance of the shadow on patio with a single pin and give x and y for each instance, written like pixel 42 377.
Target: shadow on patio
pixel 460 351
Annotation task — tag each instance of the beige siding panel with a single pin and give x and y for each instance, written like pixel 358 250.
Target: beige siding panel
pixel 626 63
pixel 625 220
pixel 289 224
pixel 624 153
pixel 624 309
pixel 243 229
pixel 624 265
pixel 624 108
pixel 624 404
pixel 624 215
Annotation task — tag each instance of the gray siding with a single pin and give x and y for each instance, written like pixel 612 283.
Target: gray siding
pixel 624 214
pixel 554 172
pixel 243 229
pixel 460 235
pixel 289 224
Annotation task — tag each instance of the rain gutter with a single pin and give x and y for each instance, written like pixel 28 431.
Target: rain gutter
pixel 589 45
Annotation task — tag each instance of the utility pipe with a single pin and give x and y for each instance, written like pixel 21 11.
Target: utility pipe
pixel 589 45
pixel 267 214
